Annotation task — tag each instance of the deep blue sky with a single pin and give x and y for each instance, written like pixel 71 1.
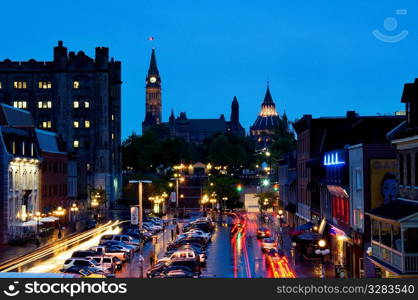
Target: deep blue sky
pixel 320 56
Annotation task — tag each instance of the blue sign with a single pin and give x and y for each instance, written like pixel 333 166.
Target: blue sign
pixel 333 158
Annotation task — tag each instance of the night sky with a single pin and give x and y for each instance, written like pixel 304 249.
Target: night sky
pixel 320 57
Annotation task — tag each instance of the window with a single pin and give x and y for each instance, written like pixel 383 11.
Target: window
pixel 20 104
pixel 19 84
pixel 88 167
pixel 32 150
pixel 401 169
pixel 44 84
pixel 23 148
pixel 44 104
pixel 359 183
pixel 376 230
pixel 113 117
pixel 86 104
pixel 87 123
pixel 45 124
pixel 76 124
pixel 0 85
pixel 76 144
pixel 416 169
pixel 113 136
pixel 408 169
pixel 76 84
pixel 13 147
pixel 76 104
pixel 386 234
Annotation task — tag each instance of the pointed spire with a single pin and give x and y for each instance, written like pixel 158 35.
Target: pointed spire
pixel 268 100
pixel 235 100
pixel 153 69
pixel 172 117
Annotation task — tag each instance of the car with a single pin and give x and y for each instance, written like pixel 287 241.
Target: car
pixel 122 238
pixel 263 233
pixel 157 269
pixel 90 224
pixel 121 255
pixel 275 254
pixel 185 241
pixel 83 253
pixel 179 272
pixel 193 264
pixel 84 272
pixel 119 245
pixel 81 262
pixel 188 253
pixel 104 261
pixel 197 233
pixel 268 243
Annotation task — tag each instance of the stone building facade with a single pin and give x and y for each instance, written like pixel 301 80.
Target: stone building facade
pixel 78 97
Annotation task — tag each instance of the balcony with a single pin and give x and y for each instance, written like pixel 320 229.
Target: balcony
pixel 403 262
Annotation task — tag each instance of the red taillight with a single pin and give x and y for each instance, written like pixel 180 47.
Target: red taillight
pixel 268 231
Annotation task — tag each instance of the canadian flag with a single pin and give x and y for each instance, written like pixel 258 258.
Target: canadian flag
pixel 151 38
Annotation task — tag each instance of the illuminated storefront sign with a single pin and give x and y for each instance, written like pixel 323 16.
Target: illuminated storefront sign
pixel 333 158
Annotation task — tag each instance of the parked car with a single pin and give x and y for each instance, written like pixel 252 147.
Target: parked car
pixel 122 255
pixel 157 269
pixel 107 242
pixel 193 264
pixel 83 253
pixel 81 262
pixel 123 238
pixel 179 272
pixel 84 272
pixel 106 262
pixel 118 246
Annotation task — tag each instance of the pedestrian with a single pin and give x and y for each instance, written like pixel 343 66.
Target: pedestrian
pixel 177 229
pixel 151 259
pixel 172 234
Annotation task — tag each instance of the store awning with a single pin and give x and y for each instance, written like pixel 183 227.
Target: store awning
pixel 306 226
pixel 337 191
pixel 291 207
pixel 309 236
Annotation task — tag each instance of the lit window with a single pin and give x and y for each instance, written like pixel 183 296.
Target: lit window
pixel 87 123
pixel 76 124
pixel 113 136
pixel 13 147
pixel 23 148
pixel 0 85
pixel 76 104
pixel 19 84
pixel 76 143
pixel 113 117
pixel 88 166
pixel 20 104
pixel 44 84
pixel 86 104
pixel 44 104
pixel 32 150
pixel 76 84
pixel 45 124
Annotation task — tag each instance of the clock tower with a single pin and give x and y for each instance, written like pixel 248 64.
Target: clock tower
pixel 153 106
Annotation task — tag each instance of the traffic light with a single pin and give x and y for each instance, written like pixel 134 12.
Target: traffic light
pixel 276 187
pixel 239 187
pixel 266 182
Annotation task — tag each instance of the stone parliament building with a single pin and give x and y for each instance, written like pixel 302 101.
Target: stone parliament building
pixel 192 130
pixel 78 97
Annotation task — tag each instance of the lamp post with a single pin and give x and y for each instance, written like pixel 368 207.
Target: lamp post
pixel 37 217
pixel 177 179
pixel 59 212
pixel 280 218
pixel 74 210
pixel 322 251
pixel 140 182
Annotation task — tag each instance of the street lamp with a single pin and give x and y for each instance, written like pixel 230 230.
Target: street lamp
pixel 37 217
pixel 74 210
pixel 280 218
pixel 59 212
pixel 322 252
pixel 140 182
pixel 177 179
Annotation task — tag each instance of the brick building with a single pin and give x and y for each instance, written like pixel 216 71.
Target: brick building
pixel 78 97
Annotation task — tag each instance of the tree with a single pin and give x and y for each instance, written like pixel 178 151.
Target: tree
pixel 225 188
pixel 284 139
pixel 266 200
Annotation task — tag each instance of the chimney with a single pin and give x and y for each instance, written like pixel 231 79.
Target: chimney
pixel 102 57
pixel 410 98
pixel 60 54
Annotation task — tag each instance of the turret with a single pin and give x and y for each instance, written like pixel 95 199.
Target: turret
pixel 235 111
pixel 60 54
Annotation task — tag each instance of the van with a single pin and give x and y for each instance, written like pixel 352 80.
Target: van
pixel 107 262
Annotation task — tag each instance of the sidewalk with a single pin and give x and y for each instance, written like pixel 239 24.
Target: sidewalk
pixel 11 251
pixel 303 267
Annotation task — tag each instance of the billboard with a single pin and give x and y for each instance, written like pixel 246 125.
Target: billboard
pixel 383 181
pixel 134 215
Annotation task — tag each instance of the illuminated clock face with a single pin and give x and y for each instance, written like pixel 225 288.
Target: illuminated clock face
pixel 153 79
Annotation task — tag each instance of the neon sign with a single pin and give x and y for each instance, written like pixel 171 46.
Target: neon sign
pixel 332 159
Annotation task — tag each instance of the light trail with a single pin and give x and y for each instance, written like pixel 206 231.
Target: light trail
pixel 52 249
